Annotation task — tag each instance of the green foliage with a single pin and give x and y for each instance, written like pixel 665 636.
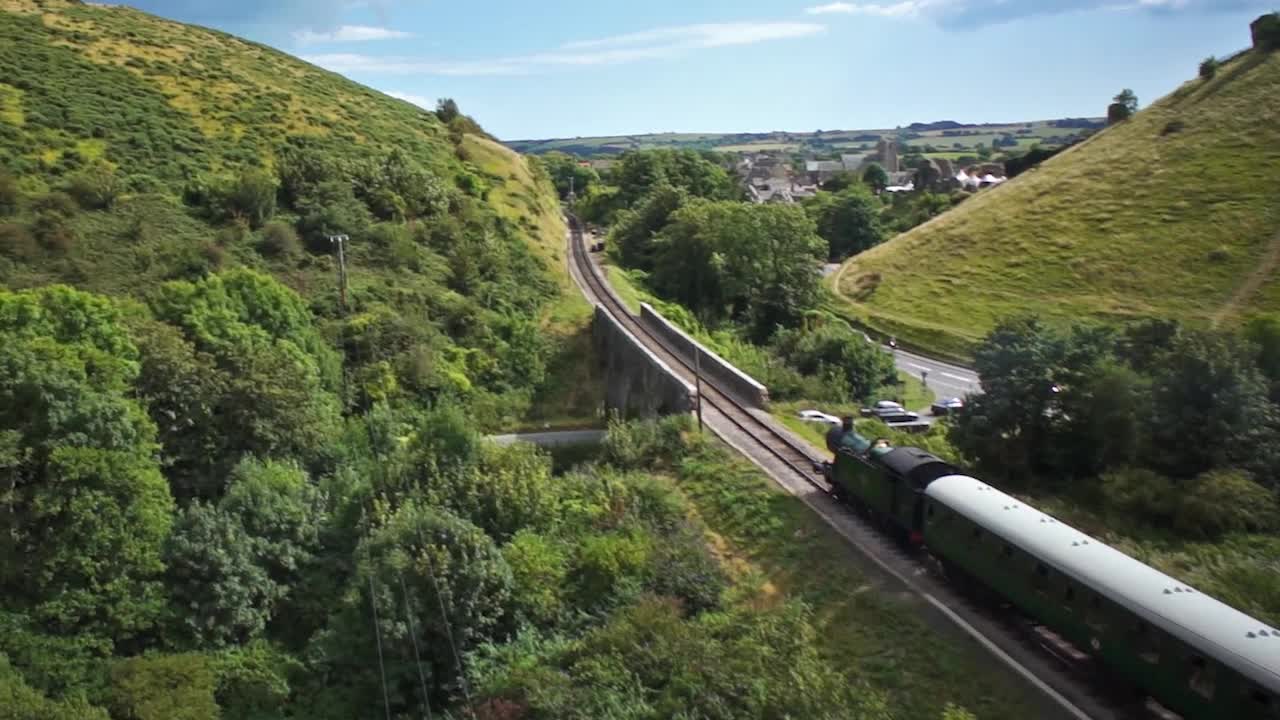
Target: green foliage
pixel 221 595
pixel 163 687
pixel 634 230
pixel 19 701
pixel 834 350
pixel 638 173
pixel 447 110
pixel 1209 67
pixel 563 169
pixel 253 682
pixel 848 221
pixel 96 187
pixel 10 195
pixel 280 241
pixel 539 571
pixel 506 490
pixel 875 177
pixel 1264 332
pixel 649 662
pixel 1207 506
pixel 708 259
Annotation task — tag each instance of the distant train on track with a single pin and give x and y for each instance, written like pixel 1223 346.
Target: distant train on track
pixel 1195 655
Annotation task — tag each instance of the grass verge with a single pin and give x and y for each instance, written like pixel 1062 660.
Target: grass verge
pixel 758 528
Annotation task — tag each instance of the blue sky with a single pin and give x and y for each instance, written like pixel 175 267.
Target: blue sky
pixel 566 68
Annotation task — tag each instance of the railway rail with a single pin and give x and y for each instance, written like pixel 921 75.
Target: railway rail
pixel 1056 671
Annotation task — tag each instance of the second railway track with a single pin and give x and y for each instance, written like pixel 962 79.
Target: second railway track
pixel 1069 692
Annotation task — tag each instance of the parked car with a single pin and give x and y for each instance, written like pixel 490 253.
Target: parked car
pixel 947 406
pixel 820 417
pixel 880 406
pixel 890 412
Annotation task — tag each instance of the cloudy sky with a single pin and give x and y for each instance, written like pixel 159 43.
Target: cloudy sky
pixel 565 68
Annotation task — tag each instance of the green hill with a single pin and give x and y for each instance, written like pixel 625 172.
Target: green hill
pixel 1174 213
pixel 135 150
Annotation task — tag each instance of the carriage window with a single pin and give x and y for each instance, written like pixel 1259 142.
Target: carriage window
pixel 977 534
pixel 930 509
pixel 1008 551
pixel 1202 677
pixel 1042 578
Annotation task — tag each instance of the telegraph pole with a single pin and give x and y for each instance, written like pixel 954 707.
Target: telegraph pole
pixel 340 241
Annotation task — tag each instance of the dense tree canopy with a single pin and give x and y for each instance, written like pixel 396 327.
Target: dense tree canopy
pixel 1190 408
pixel 753 262
pixel 849 221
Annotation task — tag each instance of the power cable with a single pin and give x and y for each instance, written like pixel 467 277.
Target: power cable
pixel 413 633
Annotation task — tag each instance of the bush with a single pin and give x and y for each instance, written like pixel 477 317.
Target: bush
pixel 9 194
pixel 95 188
pixel 279 240
pixel 1141 493
pixel 1209 67
pixel 16 242
pixel 1222 501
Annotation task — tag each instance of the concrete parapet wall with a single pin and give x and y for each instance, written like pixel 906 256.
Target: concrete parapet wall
pixel 721 372
pixel 638 383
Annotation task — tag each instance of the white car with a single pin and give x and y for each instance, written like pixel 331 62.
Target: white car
pixel 815 416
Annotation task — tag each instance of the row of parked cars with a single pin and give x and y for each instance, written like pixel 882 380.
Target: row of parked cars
pixel 889 411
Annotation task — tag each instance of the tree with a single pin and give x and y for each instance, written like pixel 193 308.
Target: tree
pixel 1124 105
pixel 9 194
pixel 20 701
pixel 85 506
pixel 875 177
pixel 1210 408
pixel 1209 67
pixel 250 196
pixel 834 349
pixel 568 174
pixel 635 229
pixel 848 221
pixel 443 562
pixel 840 181
pixel 506 491
pixel 756 263
pixel 447 110
pixel 221 595
pixel 163 687
pixel 1264 333
pixel 95 187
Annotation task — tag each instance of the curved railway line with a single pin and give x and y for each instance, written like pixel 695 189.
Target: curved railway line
pixel 1058 673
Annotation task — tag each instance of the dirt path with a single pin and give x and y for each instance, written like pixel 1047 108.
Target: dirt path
pixel 1251 284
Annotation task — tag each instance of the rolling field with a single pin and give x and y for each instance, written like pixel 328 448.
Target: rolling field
pixel 1171 214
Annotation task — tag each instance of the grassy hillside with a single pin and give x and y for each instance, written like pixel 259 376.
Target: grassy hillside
pixel 1173 213
pixel 135 150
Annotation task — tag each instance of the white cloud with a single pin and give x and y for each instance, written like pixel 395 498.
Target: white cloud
pixel 899 9
pixel 974 13
pixel 349 33
pixel 646 45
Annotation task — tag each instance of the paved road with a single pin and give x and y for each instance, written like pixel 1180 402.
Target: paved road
pixel 549 439
pixel 944 379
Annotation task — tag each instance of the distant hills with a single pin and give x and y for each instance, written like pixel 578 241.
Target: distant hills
pixel 943 137
pixel 1173 213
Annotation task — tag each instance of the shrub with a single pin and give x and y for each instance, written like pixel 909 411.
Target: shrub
pixel 55 203
pixel 1209 67
pixel 1141 493
pixel 1219 254
pixel 95 188
pixel 1222 501
pixel 279 240
pixel 9 194
pixel 16 242
pixel 1173 126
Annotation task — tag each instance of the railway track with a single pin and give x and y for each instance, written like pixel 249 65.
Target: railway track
pixel 1056 672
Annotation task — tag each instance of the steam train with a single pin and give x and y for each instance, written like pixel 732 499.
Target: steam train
pixel 1193 654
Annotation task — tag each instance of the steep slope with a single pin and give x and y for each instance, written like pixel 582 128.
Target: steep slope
pixel 135 150
pixel 1173 213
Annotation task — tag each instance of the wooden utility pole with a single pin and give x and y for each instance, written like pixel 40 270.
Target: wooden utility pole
pixel 340 242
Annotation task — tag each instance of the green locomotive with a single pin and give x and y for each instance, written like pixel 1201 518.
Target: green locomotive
pixel 1192 653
